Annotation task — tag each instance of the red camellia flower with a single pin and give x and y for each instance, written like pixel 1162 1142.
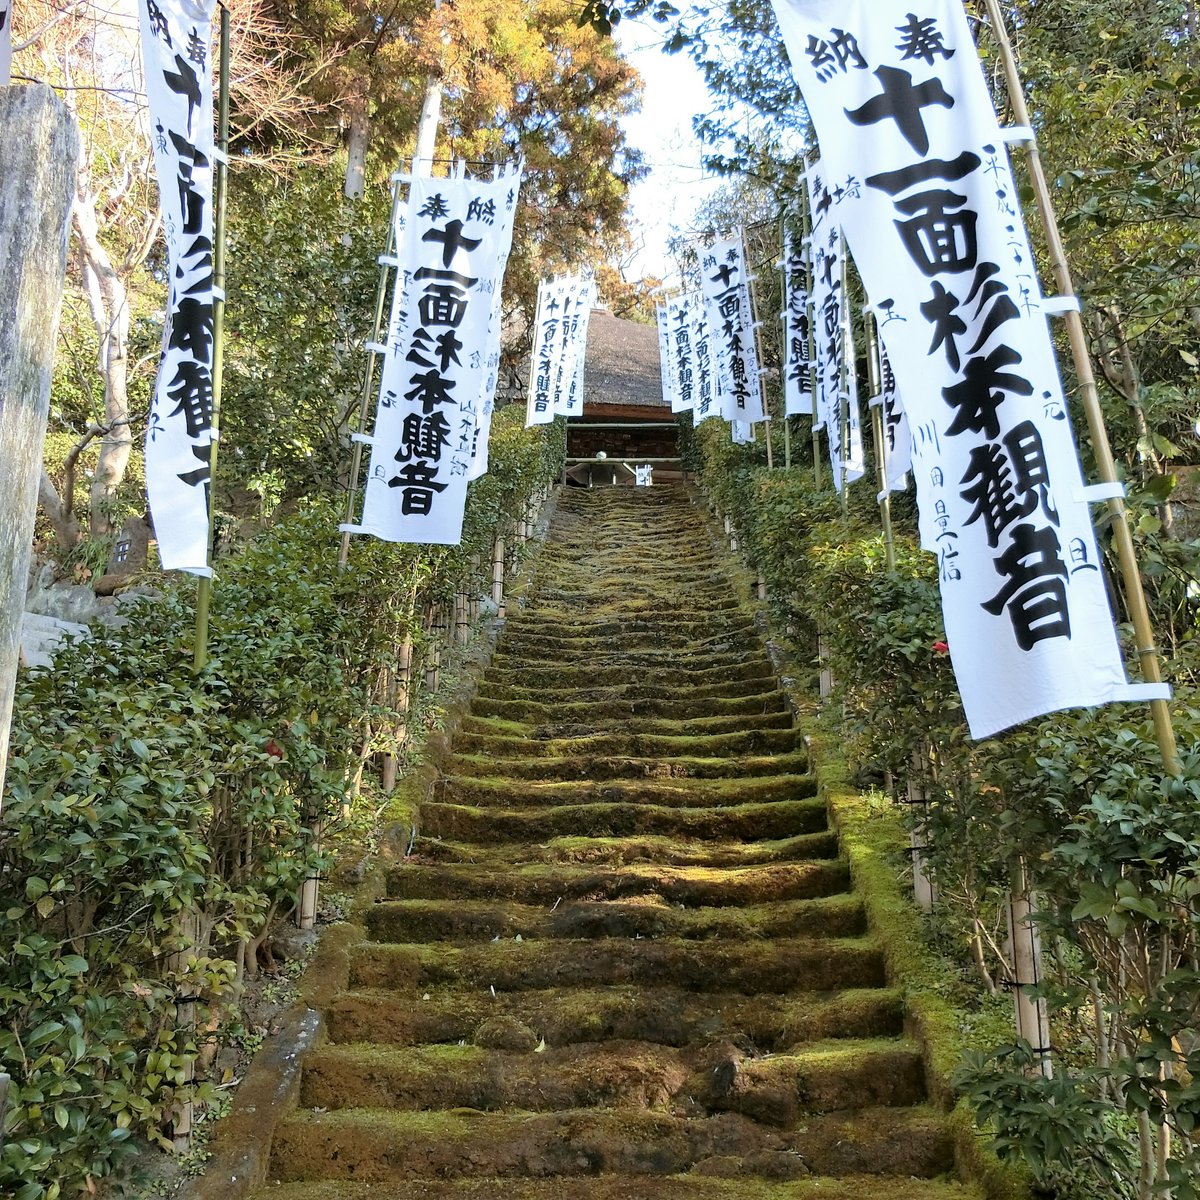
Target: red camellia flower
pixel 273 748
pixel 941 648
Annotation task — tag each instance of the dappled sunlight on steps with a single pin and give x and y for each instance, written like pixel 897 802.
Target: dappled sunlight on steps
pixel 625 961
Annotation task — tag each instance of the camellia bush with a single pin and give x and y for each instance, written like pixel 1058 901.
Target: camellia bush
pixel 159 822
pixel 1110 840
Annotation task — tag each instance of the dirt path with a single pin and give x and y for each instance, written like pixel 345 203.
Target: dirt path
pixel 624 962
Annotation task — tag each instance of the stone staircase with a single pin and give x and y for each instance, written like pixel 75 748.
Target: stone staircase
pixel 625 961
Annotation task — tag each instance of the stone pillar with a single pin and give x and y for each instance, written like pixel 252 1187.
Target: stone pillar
pixel 39 148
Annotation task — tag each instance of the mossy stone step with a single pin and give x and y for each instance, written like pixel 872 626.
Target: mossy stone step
pixel 635 727
pixel 651 611
pixel 641 745
pixel 695 1186
pixel 715 887
pixel 599 713
pixel 775 1090
pixel 632 658
pixel 756 822
pixel 596 768
pixel 640 917
pixel 584 675
pixel 666 791
pixel 607 625
pixel 556 694
pixel 378 1145
pixel 521 637
pixel 668 1015
pixel 785 964
pixel 619 852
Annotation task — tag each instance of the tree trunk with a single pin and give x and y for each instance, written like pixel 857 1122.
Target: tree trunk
pixel 358 139
pixel 38 150
pixel 109 306
pixel 66 526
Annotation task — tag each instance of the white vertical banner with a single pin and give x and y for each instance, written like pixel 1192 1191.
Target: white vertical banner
pixel 568 330
pixel 435 368
pixel 741 432
pixel 486 402
pixel 6 50
pixel 664 354
pixel 854 463
pixel 920 179
pixel 797 325
pixel 683 364
pixel 836 390
pixel 575 331
pixel 707 401
pixel 176 44
pixel 725 286
pixel 539 409
pixel 825 251
pixel 897 436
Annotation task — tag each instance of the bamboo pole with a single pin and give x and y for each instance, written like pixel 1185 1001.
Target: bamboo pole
pixel 875 377
pixel 787 426
pixel 755 324
pixel 843 413
pixel 806 233
pixel 204 587
pixel 368 387
pixel 1135 596
pixel 1032 1021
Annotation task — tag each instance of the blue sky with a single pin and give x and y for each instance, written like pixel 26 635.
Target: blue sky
pixel 675 92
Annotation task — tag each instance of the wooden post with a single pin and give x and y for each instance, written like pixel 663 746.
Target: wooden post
pixel 498 576
pixel 437 631
pixel 462 622
pixel 39 148
pixel 306 908
pixel 1135 596
pixel 1032 1022
pixel 826 684
pixel 399 696
pixel 924 889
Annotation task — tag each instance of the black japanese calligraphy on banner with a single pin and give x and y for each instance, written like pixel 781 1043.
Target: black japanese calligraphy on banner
pixel 707 402
pixel 664 355
pixel 797 325
pixel 896 433
pixel 680 340
pixel 5 42
pixel 558 356
pixel 542 355
pixel 899 103
pixel 176 39
pixel 580 299
pixel 725 286
pixel 435 369
pixel 835 391
pixel 485 402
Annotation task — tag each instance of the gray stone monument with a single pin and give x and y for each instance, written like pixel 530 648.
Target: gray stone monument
pixel 39 148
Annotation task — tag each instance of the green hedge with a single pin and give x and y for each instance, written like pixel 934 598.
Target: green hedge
pixel 1111 841
pixel 159 821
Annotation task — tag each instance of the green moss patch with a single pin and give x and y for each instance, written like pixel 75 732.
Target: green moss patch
pixel 746 822
pixel 784 964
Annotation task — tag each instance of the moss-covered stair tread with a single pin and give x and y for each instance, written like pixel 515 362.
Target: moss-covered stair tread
pixel 623 960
